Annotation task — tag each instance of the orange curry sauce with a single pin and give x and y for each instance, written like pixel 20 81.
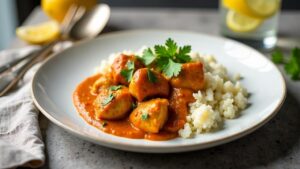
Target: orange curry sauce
pixel 83 100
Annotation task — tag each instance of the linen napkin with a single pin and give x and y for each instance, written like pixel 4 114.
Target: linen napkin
pixel 20 137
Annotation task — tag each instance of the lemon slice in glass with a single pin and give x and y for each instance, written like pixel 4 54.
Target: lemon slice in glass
pixel 39 34
pixel 241 23
pixel 263 8
pixel 260 9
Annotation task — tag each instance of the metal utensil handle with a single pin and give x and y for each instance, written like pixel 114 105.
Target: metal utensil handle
pixel 15 62
pixel 20 72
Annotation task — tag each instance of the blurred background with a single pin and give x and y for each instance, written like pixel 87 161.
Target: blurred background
pixel 14 12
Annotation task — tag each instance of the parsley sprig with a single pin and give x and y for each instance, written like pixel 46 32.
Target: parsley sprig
pixel 167 58
pixel 291 65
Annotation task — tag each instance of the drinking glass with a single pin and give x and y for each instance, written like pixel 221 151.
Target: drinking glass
pixel 253 22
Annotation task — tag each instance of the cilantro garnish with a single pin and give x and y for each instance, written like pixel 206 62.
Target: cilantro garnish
pixel 148 57
pixel 169 50
pixel 277 57
pixel 128 72
pixel 151 77
pixel 133 105
pixel 144 116
pixel 104 124
pixel 108 99
pixel 182 55
pixel 172 69
pixel 291 65
pixel 114 88
pixel 168 58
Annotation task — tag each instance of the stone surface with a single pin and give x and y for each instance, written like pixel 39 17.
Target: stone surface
pixel 276 145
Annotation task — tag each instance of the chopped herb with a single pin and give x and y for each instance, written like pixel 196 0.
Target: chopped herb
pixel 114 88
pixel 148 57
pixel 169 50
pixel 182 55
pixel 133 105
pixel 128 72
pixel 151 77
pixel 104 124
pixel 292 65
pixel 161 51
pixel 145 116
pixel 130 64
pixel 172 69
pixel 108 99
pixel 167 58
pixel 277 57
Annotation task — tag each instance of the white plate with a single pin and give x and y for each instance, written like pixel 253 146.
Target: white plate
pixel 55 81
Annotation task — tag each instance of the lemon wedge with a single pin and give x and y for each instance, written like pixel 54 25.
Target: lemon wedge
pixel 39 34
pixel 241 23
pixel 260 9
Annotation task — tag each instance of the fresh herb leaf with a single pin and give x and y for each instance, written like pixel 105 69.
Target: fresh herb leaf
pixel 151 77
pixel 169 50
pixel 292 67
pixel 144 116
pixel 133 105
pixel 130 64
pixel 182 55
pixel 167 58
pixel 128 72
pixel 108 99
pixel 161 51
pixel 161 63
pixel 148 56
pixel 172 69
pixel 114 88
pixel 172 47
pixel 104 124
pixel 277 57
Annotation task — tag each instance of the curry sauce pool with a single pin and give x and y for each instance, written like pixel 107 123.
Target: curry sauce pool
pixel 83 101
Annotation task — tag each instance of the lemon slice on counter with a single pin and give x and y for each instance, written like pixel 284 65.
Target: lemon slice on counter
pixel 39 34
pixel 241 23
pixel 260 9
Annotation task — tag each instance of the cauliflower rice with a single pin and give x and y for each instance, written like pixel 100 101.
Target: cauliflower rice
pixel 222 97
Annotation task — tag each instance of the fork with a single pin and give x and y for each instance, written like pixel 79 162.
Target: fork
pixel 74 13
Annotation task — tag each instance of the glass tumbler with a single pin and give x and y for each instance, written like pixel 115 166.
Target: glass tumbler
pixel 253 22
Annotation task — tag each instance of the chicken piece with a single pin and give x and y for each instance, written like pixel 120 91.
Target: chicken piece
pixel 142 87
pixel 120 63
pixel 150 116
pixel 112 104
pixel 104 81
pixel 191 76
pixel 178 109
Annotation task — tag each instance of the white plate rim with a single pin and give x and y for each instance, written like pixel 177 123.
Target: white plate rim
pixel 169 148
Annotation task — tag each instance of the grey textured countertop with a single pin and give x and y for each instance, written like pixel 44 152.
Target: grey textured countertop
pixel 276 145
